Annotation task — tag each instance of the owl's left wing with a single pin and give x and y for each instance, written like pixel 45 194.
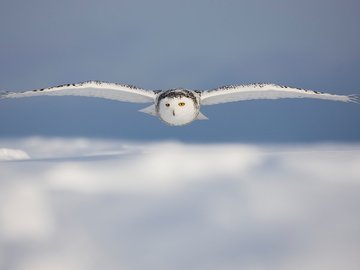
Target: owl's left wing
pixel 265 91
pixel 113 91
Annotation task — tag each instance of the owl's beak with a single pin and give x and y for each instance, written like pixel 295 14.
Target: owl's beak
pixel 173 112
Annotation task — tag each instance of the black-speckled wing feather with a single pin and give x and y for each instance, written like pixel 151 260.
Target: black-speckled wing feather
pixel 113 91
pixel 265 91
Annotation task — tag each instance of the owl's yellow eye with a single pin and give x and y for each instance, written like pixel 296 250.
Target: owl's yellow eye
pixel 181 104
pixel 167 104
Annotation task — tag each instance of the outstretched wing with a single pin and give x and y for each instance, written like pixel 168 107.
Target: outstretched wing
pixel 113 91
pixel 265 91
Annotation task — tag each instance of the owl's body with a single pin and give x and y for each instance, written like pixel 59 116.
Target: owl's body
pixel 179 106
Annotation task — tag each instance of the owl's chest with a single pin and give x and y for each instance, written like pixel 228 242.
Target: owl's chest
pixel 177 112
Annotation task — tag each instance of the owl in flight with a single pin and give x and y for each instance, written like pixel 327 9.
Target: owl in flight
pixel 178 106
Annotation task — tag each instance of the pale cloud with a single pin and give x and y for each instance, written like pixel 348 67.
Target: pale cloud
pixel 24 212
pixel 12 154
pixel 92 204
pixel 161 166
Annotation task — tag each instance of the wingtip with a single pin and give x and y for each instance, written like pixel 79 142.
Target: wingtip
pixel 354 99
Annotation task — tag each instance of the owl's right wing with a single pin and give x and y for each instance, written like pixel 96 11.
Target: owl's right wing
pixel 113 91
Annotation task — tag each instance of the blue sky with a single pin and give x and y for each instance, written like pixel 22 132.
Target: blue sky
pixel 193 44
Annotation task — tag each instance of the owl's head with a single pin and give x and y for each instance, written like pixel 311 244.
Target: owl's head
pixel 177 108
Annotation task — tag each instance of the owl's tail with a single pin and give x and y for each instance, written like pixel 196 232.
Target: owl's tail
pixel 201 117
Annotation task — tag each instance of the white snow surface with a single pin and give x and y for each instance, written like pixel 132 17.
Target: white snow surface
pixel 107 204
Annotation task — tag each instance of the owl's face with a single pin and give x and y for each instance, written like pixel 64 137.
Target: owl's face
pixel 177 111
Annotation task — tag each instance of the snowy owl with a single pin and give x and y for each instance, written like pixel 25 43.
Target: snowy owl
pixel 178 106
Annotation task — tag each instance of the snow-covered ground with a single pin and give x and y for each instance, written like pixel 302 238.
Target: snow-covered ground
pixel 98 204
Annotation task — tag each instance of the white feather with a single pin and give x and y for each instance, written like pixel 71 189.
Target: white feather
pixel 149 110
pixel 264 91
pixel 113 91
pixel 201 116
